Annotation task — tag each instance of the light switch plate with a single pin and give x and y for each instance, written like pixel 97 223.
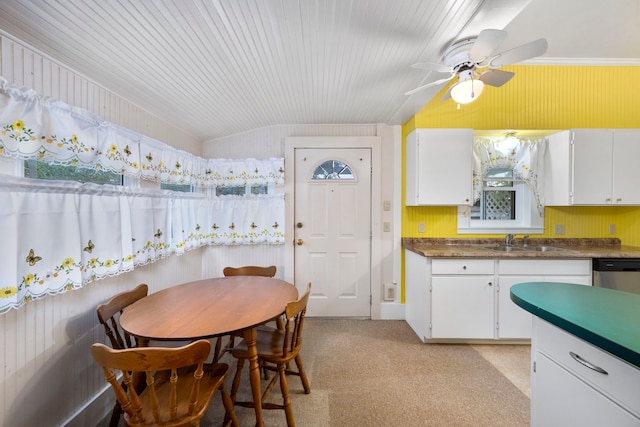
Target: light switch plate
pixel 558 229
pixel 421 227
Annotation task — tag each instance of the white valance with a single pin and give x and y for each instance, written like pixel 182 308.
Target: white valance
pixel 36 127
pixel 62 235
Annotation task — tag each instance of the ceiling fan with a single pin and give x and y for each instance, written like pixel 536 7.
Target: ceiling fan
pixel 465 58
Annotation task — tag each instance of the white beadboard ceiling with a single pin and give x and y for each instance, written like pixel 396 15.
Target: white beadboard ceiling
pixel 221 67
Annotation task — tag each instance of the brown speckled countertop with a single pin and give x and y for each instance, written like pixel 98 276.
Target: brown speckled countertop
pixel 479 248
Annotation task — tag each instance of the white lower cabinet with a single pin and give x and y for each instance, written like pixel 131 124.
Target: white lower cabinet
pixel 462 290
pixel 513 321
pixel 468 298
pixel 566 392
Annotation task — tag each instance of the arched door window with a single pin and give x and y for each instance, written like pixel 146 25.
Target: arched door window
pixel 333 169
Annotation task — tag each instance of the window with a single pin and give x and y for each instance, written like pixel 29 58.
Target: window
pixel 184 188
pixel 498 200
pixel 333 169
pixel 43 170
pixel 244 190
pixel 507 181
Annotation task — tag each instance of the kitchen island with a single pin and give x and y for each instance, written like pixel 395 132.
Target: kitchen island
pixel 585 354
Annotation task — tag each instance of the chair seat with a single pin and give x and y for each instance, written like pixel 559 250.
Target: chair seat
pixel 269 342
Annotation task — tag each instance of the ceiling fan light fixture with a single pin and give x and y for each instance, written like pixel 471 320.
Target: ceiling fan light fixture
pixel 467 91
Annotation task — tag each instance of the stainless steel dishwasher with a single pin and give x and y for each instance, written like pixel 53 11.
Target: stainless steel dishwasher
pixel 622 274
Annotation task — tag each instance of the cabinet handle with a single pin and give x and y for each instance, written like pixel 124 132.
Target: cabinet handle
pixel 464 267
pixel 587 364
pixel 490 284
pixel 619 199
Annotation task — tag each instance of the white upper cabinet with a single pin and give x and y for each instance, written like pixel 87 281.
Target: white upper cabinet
pixel 593 167
pixel 439 167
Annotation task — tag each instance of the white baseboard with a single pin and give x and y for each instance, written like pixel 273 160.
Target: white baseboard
pixel 391 311
pixel 93 411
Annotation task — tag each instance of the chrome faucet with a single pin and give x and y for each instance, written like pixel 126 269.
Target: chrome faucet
pixel 508 240
pixel 525 240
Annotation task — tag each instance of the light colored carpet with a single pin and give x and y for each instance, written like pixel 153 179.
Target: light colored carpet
pixel 377 373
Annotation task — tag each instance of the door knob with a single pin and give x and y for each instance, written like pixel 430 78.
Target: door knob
pixel 299 242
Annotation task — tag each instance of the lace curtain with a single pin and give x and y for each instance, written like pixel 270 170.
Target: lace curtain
pixel 525 156
pixel 37 127
pixel 61 235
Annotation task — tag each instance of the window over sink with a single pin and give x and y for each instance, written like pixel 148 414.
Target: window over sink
pixel 507 183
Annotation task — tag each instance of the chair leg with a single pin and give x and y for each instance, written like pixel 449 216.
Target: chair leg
pixel 236 380
pixel 115 415
pixel 217 350
pixel 230 417
pixel 303 375
pixel 284 388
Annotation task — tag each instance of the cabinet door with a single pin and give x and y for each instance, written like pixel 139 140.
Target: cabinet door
pixel 626 173
pixel 462 307
pixel 513 321
pixel 558 398
pixel 439 167
pixel 416 293
pixel 592 166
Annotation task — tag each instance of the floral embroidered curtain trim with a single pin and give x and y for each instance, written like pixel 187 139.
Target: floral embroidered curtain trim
pixel 38 127
pixel 61 235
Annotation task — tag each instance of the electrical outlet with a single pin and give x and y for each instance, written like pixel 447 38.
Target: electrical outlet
pixel 386 205
pixel 387 227
pixel 612 229
pixel 389 291
pixel 558 229
pixel 421 227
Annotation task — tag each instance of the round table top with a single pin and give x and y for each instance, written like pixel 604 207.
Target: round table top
pixel 208 308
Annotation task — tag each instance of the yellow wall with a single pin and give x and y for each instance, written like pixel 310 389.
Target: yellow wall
pixel 541 97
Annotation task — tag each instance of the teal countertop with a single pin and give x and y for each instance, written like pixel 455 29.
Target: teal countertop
pixel 606 318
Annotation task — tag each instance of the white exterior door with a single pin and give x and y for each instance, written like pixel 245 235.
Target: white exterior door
pixel 332 226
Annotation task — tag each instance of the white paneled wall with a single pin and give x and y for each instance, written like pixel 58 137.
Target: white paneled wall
pixel 47 375
pixel 215 258
pixel 268 142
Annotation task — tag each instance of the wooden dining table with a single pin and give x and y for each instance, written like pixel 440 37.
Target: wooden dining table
pixel 211 308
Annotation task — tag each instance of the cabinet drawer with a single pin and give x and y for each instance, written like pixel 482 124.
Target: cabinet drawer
pixel 546 267
pixel 462 266
pixel 622 379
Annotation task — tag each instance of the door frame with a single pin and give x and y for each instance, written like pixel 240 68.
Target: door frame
pixel 328 142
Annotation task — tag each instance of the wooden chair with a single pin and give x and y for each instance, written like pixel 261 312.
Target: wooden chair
pixel 109 316
pixel 250 270
pixel 179 385
pixel 277 347
pixel 247 270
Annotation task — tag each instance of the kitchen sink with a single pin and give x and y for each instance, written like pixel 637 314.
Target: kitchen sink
pixel 513 248
pixel 547 249
pixel 507 248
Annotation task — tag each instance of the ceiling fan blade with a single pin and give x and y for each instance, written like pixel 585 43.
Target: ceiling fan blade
pixel 486 43
pixel 520 53
pixel 432 66
pixel 496 77
pixel 447 94
pixel 437 82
